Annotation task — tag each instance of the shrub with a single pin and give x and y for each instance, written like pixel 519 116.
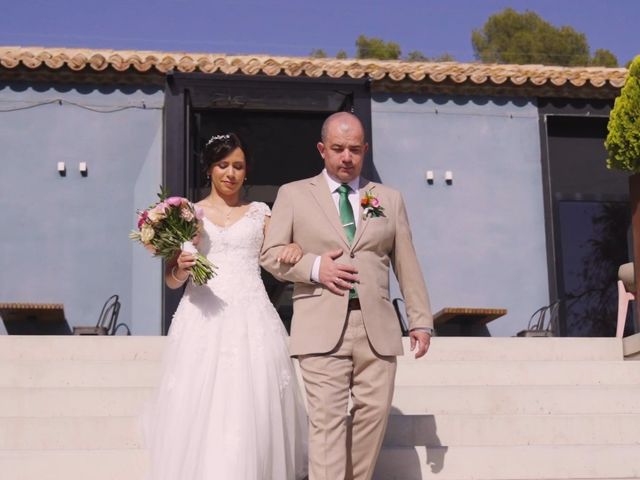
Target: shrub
pixel 623 139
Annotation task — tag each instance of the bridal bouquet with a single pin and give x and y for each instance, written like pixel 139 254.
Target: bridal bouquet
pixel 167 227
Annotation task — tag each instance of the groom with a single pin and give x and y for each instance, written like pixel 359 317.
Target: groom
pixel 345 332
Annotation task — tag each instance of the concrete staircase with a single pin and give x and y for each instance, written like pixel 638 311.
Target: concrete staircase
pixel 477 408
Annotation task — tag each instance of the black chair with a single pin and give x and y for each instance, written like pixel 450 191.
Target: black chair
pixel 401 320
pixel 107 321
pixel 540 325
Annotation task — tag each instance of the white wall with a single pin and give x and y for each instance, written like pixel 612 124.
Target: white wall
pixel 64 239
pixel 480 240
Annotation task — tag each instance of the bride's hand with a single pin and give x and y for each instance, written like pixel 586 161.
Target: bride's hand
pixel 290 254
pixel 185 262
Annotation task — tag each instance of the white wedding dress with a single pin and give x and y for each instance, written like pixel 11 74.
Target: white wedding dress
pixel 229 405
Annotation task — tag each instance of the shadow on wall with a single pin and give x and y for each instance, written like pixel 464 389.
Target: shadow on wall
pixel 460 100
pixel 44 87
pixel 408 434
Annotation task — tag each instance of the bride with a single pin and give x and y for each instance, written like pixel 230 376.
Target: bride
pixel 228 406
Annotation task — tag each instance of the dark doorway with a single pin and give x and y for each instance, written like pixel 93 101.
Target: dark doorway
pixel 279 119
pixel 281 147
pixel 588 222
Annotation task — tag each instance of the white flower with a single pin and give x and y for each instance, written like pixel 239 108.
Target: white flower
pixel 156 215
pixel 146 233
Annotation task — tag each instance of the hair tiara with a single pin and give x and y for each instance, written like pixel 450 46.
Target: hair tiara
pixel 216 138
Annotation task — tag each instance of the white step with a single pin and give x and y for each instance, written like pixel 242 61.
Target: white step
pixel 507 430
pixel 442 348
pixel 146 373
pixel 73 402
pixel 527 372
pixel 510 463
pixel 73 465
pixel 519 348
pixel 516 400
pixel 460 463
pixel 474 408
pixel 70 433
pixel 106 433
pixel 502 400
pixel 77 347
pixel 84 373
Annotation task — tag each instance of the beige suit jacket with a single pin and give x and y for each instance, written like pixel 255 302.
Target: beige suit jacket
pixel 305 213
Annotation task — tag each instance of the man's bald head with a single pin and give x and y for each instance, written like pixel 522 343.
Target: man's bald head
pixel 342 120
pixel 343 147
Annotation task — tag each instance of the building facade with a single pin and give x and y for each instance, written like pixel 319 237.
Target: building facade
pixel 521 211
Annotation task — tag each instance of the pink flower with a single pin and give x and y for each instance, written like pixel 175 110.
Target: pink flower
pixel 375 203
pixel 186 213
pixel 141 219
pixel 199 213
pixel 174 201
pixel 160 207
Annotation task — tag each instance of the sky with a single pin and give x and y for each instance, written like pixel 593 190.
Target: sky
pixel 295 28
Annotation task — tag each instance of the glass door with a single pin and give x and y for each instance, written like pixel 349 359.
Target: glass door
pixel 588 226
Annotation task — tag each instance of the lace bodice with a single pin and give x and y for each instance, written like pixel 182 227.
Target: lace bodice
pixel 235 250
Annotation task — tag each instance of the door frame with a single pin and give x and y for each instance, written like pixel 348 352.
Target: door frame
pixel 187 91
pixel 561 107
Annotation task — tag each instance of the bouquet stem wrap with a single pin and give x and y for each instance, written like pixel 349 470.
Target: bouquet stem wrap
pixel 203 270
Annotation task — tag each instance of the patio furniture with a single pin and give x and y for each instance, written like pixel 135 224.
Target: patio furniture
pixel 465 321
pixel 107 320
pixel 34 319
pixel 543 322
pixel 626 293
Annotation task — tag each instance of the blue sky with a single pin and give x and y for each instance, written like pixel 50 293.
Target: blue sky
pixel 286 27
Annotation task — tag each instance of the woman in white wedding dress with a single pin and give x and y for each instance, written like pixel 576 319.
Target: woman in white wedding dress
pixel 228 406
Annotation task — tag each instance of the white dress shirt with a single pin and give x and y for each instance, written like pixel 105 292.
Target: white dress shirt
pixel 354 200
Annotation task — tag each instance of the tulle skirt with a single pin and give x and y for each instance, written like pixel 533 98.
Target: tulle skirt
pixel 229 405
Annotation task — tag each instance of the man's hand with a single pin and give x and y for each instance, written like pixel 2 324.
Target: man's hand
pixel 337 277
pixel 422 339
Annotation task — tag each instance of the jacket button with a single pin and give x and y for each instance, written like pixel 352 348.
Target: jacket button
pixel 352 255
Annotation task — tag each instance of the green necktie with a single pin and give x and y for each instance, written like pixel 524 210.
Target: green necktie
pixel 346 212
pixel 347 220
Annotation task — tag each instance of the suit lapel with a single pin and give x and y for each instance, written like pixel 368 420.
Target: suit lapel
pixel 363 222
pixel 322 195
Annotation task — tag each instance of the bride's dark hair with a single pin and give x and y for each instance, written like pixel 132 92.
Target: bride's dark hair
pixel 219 146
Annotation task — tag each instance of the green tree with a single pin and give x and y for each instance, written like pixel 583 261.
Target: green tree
pixel 318 53
pixel 371 47
pixel 418 56
pixel 623 139
pixel 445 57
pixel 604 58
pixel 512 37
pixel 342 54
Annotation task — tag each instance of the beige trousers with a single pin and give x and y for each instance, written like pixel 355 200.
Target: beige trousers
pixel 339 449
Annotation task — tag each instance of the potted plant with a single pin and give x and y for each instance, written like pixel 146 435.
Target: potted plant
pixel 623 147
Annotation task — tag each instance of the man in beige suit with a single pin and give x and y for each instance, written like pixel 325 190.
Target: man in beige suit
pixel 345 332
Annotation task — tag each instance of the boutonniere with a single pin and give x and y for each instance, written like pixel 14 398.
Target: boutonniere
pixel 371 205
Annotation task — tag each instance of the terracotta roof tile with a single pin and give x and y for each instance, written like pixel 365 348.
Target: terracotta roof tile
pixel 395 71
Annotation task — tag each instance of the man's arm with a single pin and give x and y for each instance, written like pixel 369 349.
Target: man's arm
pixel 278 235
pixel 411 281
